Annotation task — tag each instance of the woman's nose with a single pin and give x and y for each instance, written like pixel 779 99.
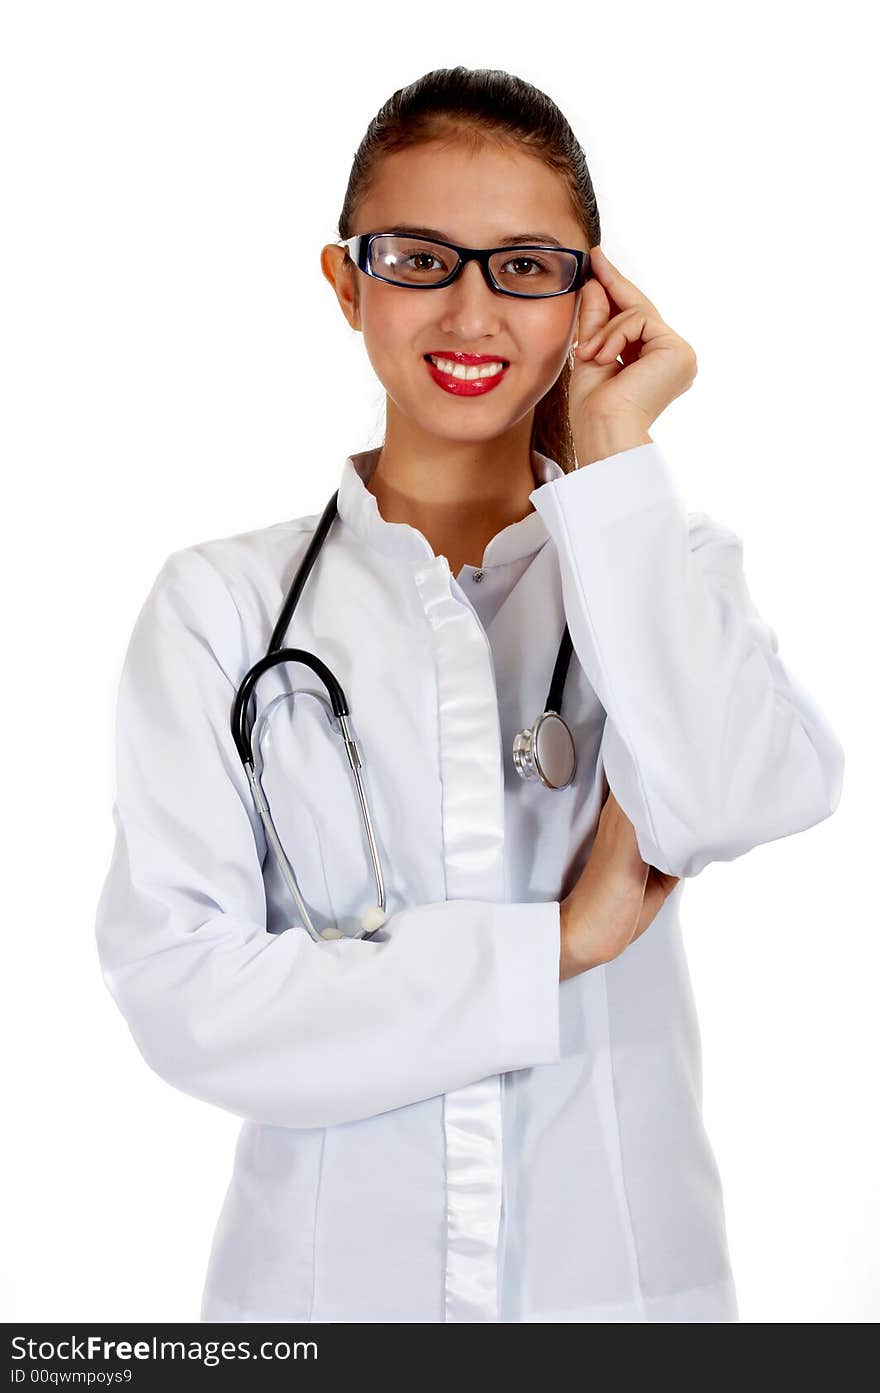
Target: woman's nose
pixel 472 302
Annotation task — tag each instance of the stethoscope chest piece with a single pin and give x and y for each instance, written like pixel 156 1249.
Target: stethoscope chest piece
pixel 546 752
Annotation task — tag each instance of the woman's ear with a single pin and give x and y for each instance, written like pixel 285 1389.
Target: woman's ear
pixel 340 272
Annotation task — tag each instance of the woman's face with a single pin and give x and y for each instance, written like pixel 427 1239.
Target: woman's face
pixel 476 199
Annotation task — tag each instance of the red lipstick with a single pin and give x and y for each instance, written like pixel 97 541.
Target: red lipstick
pixel 460 387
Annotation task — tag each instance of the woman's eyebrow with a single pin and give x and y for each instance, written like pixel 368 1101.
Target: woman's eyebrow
pixel 410 230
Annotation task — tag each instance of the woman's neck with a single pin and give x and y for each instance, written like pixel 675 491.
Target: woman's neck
pixel 458 495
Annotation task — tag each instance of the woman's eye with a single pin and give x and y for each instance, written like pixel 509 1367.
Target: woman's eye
pixel 526 260
pixel 422 257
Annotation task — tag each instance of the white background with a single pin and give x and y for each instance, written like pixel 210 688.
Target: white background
pixel 175 367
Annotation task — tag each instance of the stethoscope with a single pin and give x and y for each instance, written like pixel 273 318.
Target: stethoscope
pixel 545 751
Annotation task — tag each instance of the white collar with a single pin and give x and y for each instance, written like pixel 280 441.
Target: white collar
pixel 359 509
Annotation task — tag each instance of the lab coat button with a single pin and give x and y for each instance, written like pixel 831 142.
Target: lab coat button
pixel 478 575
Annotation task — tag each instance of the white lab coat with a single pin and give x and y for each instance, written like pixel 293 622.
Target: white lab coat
pixel 436 1128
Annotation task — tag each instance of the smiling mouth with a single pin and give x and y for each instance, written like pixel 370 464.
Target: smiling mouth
pixel 465 380
pixel 466 373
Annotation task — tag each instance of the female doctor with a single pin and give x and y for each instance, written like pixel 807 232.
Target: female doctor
pixel 470 1082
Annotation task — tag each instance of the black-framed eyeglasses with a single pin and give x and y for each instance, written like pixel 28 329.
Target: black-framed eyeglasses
pixel 420 263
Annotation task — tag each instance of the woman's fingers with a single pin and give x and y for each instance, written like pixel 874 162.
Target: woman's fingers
pixel 594 310
pixel 623 292
pixel 612 338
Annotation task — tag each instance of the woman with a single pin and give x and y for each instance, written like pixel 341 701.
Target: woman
pixel 488 1109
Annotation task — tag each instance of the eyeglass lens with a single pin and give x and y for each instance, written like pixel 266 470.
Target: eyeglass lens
pixel 524 271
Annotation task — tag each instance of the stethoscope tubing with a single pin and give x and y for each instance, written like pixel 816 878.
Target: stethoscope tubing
pixel 527 753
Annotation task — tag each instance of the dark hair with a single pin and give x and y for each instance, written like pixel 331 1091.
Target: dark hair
pixel 478 106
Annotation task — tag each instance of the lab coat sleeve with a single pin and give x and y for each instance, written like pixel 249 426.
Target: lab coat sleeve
pixel 277 1028
pixel 710 745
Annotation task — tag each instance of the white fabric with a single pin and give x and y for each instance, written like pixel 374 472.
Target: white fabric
pixel 436 1128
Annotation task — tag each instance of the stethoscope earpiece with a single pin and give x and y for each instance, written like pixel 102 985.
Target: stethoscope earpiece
pixel 374 918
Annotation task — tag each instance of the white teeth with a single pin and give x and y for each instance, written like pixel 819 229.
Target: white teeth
pixel 467 374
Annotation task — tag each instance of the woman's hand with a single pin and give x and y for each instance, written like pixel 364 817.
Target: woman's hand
pixel 615 898
pixel 622 398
